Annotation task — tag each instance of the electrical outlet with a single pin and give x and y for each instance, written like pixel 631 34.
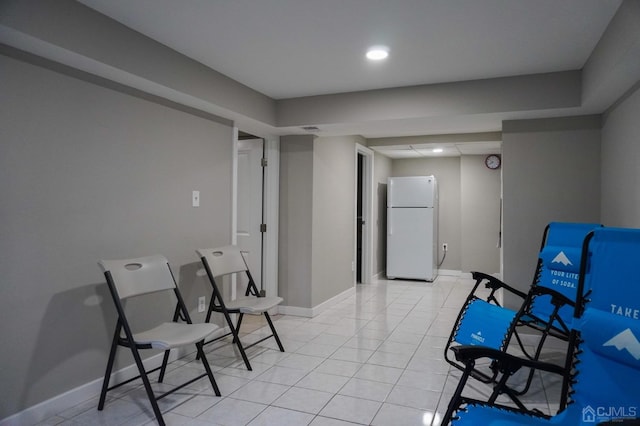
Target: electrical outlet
pixel 445 246
pixel 201 304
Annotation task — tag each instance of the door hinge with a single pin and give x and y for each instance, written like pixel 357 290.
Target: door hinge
pixel 264 162
pixel 263 227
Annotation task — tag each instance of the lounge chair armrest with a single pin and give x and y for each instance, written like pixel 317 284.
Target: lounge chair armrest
pixel 557 297
pixel 505 362
pixel 495 283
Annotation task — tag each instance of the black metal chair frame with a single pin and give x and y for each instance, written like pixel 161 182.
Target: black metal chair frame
pixel 505 365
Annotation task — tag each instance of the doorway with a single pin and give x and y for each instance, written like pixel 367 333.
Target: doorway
pixel 359 219
pixel 256 170
pixel 250 203
pixel 363 263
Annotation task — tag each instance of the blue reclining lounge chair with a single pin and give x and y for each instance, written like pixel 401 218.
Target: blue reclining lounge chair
pixel 602 370
pixel 546 308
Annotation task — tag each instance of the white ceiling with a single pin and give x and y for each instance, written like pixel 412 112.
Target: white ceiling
pixel 293 48
pixel 448 149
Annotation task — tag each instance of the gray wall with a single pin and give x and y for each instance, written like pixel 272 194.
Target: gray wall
pixel 432 102
pixel 480 215
pixel 551 172
pixel 89 173
pixel 333 216
pixel 110 49
pixel 613 66
pixel 382 170
pixel 317 218
pixel 620 159
pixel 296 216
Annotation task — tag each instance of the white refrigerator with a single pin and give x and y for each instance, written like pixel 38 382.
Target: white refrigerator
pixel 412 227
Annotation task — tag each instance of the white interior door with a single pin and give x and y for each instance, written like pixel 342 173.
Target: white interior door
pixel 249 218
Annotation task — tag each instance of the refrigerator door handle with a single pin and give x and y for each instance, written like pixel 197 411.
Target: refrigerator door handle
pixel 390 222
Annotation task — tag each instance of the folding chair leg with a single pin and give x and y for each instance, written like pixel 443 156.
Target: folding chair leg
pixel 107 374
pixel 207 368
pixel 240 317
pixel 273 331
pixel 209 311
pixel 207 319
pixel 147 386
pixel 236 339
pixel 163 369
pixel 455 399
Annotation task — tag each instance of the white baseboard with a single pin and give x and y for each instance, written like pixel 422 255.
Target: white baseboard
pixel 296 311
pixel 443 272
pixel 73 397
pixel 451 273
pixel 316 310
pixel 45 409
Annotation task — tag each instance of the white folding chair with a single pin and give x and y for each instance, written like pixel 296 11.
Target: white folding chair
pixel 219 262
pixel 136 277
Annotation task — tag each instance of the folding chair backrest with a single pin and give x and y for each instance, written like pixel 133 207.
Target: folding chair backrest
pixel 568 234
pixel 133 277
pixel 608 375
pixel 224 260
pixel 560 260
pixel 614 259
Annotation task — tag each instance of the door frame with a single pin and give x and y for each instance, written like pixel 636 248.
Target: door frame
pixel 271 213
pixel 367 214
pixel 270 205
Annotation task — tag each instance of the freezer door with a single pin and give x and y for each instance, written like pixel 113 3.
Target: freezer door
pixel 411 191
pixel 410 252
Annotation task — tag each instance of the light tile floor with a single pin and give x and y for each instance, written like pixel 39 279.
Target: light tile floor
pixel 373 359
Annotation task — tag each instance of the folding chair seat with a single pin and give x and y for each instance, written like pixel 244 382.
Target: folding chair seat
pixel 546 308
pixel 601 376
pixel 135 278
pixel 225 261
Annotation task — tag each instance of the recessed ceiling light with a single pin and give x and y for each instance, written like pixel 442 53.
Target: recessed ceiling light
pixel 377 53
pixel 437 150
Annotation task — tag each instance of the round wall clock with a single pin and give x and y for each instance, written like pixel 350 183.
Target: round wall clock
pixel 493 161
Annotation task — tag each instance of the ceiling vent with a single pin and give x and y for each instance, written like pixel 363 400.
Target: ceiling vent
pixel 311 128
